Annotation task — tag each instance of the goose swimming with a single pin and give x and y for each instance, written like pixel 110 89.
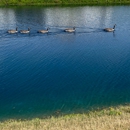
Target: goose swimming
pixel 110 29
pixel 70 29
pixel 43 31
pixel 13 31
pixel 25 31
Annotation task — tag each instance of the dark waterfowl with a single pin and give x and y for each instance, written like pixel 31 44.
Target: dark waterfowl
pixel 110 29
pixel 13 31
pixel 25 31
pixel 70 29
pixel 43 31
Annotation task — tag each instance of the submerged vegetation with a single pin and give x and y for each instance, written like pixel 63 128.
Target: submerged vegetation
pixel 113 118
pixel 62 2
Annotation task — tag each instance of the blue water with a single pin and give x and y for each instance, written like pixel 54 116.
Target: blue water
pixel 67 72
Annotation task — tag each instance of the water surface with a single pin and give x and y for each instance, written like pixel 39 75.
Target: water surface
pixel 68 72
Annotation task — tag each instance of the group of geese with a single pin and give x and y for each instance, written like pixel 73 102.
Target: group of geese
pixel 47 30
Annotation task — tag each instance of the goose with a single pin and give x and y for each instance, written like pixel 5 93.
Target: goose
pixel 43 31
pixel 13 31
pixel 25 31
pixel 110 29
pixel 70 29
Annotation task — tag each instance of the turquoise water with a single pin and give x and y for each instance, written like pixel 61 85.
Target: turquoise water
pixel 67 72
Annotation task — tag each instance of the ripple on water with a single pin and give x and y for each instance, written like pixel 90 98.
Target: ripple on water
pixel 59 72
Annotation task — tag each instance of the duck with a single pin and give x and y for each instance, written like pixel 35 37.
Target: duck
pixel 25 31
pixel 13 31
pixel 70 29
pixel 43 31
pixel 110 29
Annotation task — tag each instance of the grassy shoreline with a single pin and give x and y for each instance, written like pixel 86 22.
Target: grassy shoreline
pixel 62 2
pixel 114 118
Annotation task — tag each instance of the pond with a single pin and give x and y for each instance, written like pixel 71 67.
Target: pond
pixel 61 72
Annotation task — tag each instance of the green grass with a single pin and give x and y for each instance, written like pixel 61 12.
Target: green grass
pixel 62 2
pixel 112 118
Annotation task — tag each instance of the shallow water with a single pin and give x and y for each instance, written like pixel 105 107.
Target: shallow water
pixel 68 72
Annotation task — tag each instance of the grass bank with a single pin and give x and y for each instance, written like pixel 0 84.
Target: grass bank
pixel 117 118
pixel 62 2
